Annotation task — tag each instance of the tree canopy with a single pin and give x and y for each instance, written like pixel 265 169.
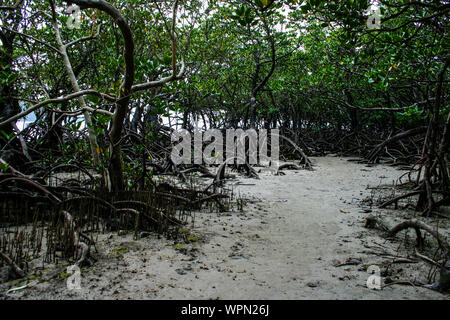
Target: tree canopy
pixel 105 70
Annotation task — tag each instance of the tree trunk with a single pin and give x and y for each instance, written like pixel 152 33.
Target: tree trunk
pixel 73 80
pixel 8 105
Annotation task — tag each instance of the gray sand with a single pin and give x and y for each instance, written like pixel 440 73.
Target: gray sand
pixel 285 244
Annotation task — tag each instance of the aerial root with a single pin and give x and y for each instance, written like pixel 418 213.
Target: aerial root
pixel 419 225
pixel 13 265
pixel 395 200
pixel 83 248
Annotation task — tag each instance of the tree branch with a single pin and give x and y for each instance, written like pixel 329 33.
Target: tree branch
pixel 57 100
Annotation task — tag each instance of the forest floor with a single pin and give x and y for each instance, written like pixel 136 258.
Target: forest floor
pixel 289 242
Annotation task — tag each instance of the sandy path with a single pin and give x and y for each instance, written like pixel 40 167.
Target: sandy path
pixel 283 246
pixel 292 238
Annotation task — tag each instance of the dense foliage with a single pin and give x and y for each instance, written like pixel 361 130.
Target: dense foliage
pixel 138 69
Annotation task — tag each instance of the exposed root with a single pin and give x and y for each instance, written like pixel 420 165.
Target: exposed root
pixel 373 155
pixel 417 224
pixel 14 266
pixel 83 248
